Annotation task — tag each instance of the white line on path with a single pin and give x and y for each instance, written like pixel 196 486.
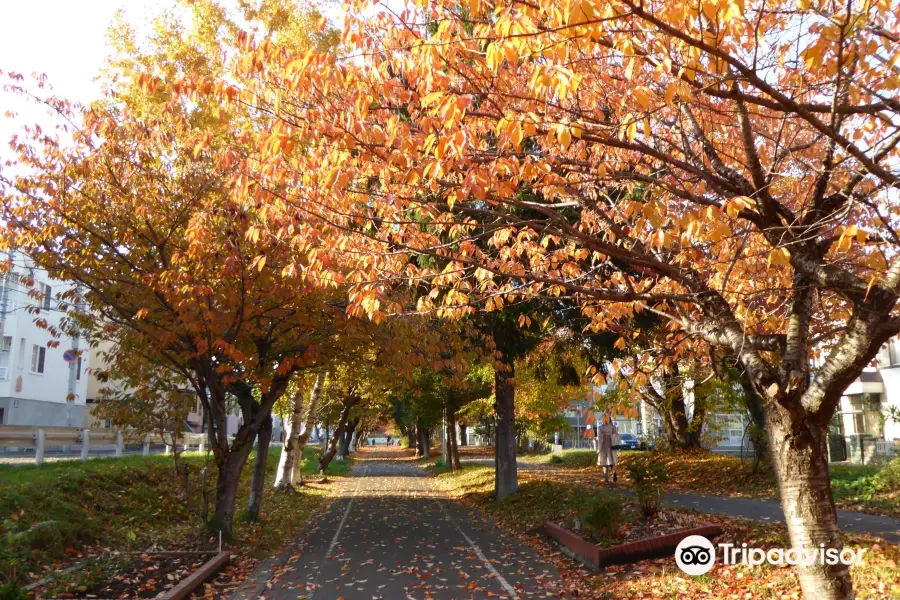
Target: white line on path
pixel 509 589
pixel 337 533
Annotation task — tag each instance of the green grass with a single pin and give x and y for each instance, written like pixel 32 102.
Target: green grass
pixel 573 459
pixel 59 509
pixel 309 464
pixel 867 486
pixel 471 479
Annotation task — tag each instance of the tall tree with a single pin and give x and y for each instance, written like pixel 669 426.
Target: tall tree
pixel 135 204
pixel 759 141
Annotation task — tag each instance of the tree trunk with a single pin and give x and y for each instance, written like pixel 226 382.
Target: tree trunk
pixel 287 462
pixel 424 441
pixel 416 439
pixel 312 413
pixel 681 433
pixel 332 448
pixel 799 452
pixel 506 480
pixel 758 427
pixel 229 476
pixel 347 439
pixel 353 430
pixel 463 438
pixel 453 449
pixel 685 434
pixel 264 437
pixel 447 449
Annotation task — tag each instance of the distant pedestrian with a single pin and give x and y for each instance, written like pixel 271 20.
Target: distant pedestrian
pixel 389 440
pixel 607 439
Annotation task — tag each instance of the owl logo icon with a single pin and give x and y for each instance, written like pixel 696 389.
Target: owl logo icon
pixel 695 555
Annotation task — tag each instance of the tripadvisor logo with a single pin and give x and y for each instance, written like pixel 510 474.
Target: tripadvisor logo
pixel 696 555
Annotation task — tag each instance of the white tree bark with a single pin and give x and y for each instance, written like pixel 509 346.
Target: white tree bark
pixel 312 414
pixel 284 474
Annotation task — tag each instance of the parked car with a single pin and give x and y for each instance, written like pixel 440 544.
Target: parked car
pixel 629 441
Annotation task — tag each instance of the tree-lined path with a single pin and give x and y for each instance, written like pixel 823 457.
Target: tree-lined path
pixel 389 534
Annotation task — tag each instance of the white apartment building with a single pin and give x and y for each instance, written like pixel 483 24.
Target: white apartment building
pixel 37 385
pixel 863 428
pixel 95 391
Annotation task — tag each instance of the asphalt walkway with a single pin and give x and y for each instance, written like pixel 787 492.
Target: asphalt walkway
pixel 390 535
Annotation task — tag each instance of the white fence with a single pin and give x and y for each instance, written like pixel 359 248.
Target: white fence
pixel 40 438
pixel 886 448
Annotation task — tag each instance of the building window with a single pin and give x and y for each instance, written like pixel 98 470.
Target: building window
pixel 857 415
pixel 38 356
pixel 46 295
pixel 863 415
pixel 5 344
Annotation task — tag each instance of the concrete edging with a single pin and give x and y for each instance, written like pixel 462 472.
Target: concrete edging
pixel 652 547
pixel 196 579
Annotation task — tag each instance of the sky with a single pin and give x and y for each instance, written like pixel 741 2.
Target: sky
pixel 64 39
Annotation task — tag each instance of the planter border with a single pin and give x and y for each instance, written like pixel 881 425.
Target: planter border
pixel 651 547
pixel 196 579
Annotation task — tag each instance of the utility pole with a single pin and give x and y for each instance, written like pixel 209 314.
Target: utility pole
pixel 4 300
pixel 444 456
pixel 578 428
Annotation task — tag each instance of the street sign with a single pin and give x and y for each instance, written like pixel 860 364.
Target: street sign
pixel 70 356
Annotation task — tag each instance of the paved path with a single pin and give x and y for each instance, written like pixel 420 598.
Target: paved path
pixel 768 511
pixel 390 535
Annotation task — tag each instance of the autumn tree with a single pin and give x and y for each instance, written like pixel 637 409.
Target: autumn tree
pixel 757 140
pixel 132 200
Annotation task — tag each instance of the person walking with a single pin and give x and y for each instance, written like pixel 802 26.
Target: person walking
pixel 607 440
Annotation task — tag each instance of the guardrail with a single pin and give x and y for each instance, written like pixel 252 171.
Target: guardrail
pixel 39 438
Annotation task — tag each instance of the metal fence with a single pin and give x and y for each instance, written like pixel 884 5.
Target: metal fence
pixel 40 439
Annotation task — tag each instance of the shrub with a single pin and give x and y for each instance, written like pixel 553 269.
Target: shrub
pixel 602 515
pixel 890 475
pixel 648 477
pixel 556 459
pixel 12 591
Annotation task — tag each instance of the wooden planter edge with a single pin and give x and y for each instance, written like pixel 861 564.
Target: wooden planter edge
pixel 651 547
pixel 196 579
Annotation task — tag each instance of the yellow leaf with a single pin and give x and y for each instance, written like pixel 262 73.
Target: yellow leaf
pixel 736 205
pixel 565 137
pixel 431 98
pixel 259 262
pixel 779 257
pixel 671 90
pixel 643 99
